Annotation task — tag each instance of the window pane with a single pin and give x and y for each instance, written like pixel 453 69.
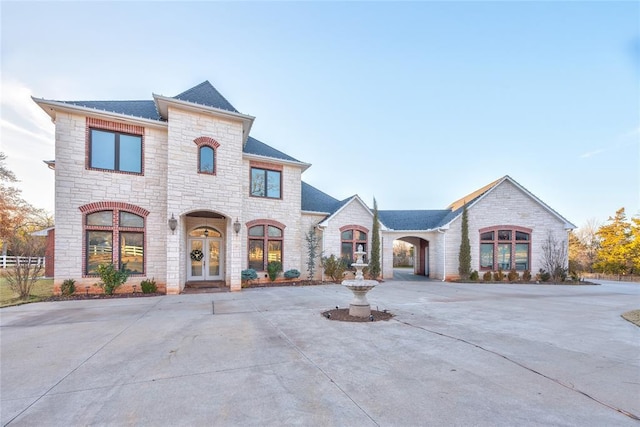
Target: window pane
pixel 487 236
pixel 275 251
pixel 273 184
pixel 256 254
pixel 346 251
pixel 206 159
pixel 130 153
pixel 258 230
pixel 258 185
pixel 504 256
pixel 486 255
pixel 102 218
pixel 274 231
pixel 361 235
pixel 132 252
pixel 522 256
pixel 347 235
pixel 504 235
pixel 103 150
pixel 520 235
pixel 128 219
pixel 99 249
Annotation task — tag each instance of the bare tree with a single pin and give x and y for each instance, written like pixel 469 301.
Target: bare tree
pixel 28 268
pixel 555 257
pixel 590 241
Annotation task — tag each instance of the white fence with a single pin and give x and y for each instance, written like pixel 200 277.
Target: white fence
pixel 11 261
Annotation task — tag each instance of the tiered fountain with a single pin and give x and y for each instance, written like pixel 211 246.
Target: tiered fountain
pixel 359 307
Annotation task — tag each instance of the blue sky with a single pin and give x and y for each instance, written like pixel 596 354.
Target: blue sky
pixel 415 104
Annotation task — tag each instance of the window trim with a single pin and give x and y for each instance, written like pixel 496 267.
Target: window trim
pixel 495 242
pixel 266 167
pixel 205 141
pixel 116 128
pixel 115 229
pixel 265 239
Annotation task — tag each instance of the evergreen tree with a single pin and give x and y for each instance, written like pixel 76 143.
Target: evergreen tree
pixel 464 258
pixel 374 263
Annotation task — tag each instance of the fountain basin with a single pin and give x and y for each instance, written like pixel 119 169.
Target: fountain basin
pixel 360 306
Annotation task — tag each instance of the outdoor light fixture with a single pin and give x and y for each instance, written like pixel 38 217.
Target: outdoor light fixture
pixel 173 223
pixel 206 233
pixel 236 226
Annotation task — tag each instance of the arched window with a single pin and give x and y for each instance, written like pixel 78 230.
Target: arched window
pixel 115 235
pixel 352 236
pixel 505 248
pixel 207 154
pixel 206 160
pixel 265 244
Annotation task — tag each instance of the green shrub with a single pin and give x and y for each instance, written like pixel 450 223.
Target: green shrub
pixel 248 275
pixel 513 275
pixel 487 276
pixel 526 276
pixel 498 276
pixel 474 276
pixel 334 267
pixel 543 275
pixel 111 278
pixel 149 286
pixel 273 268
pixel 68 287
pixel 292 274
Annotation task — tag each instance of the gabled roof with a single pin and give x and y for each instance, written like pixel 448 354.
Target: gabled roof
pixel 206 94
pixel 472 196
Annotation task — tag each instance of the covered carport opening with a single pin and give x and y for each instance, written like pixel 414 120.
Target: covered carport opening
pixel 412 252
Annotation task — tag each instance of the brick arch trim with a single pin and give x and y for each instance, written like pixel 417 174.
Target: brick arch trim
pixel 505 227
pixel 354 227
pixel 205 140
pixel 265 222
pixel 103 206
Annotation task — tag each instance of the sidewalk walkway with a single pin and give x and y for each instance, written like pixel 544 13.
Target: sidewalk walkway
pixel 455 354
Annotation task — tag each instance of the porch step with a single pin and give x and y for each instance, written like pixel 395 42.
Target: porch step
pixel 204 287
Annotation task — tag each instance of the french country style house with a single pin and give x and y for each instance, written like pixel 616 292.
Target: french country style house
pixel 178 190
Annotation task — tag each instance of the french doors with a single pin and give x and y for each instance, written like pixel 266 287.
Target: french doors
pixel 204 260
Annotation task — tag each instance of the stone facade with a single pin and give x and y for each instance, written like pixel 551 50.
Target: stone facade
pixel 171 185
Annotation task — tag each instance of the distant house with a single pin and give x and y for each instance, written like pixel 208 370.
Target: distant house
pixel 178 190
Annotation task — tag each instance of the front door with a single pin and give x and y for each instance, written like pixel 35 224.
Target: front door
pixel 205 259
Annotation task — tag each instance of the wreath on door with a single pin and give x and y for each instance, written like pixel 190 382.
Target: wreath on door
pixel 197 255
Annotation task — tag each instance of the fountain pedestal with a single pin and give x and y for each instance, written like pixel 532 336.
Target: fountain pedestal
pixel 360 306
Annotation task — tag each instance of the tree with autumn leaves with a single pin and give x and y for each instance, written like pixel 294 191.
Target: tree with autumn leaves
pixel 612 248
pixel 619 251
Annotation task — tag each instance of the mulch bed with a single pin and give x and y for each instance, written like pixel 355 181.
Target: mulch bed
pixel 75 297
pixel 342 314
pixel 278 284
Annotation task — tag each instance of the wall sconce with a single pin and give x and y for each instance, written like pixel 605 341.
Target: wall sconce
pixel 236 226
pixel 173 223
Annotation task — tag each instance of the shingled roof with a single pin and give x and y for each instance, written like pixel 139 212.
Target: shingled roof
pixel 206 94
pixel 253 146
pixel 413 219
pixel 314 200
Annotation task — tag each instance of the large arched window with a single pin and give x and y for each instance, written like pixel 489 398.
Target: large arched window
pixel 114 234
pixel 352 236
pixel 265 243
pixel 505 248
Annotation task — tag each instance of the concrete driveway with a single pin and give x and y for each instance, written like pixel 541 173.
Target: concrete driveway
pixel 481 355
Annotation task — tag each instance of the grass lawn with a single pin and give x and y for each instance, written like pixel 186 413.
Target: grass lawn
pixel 43 288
